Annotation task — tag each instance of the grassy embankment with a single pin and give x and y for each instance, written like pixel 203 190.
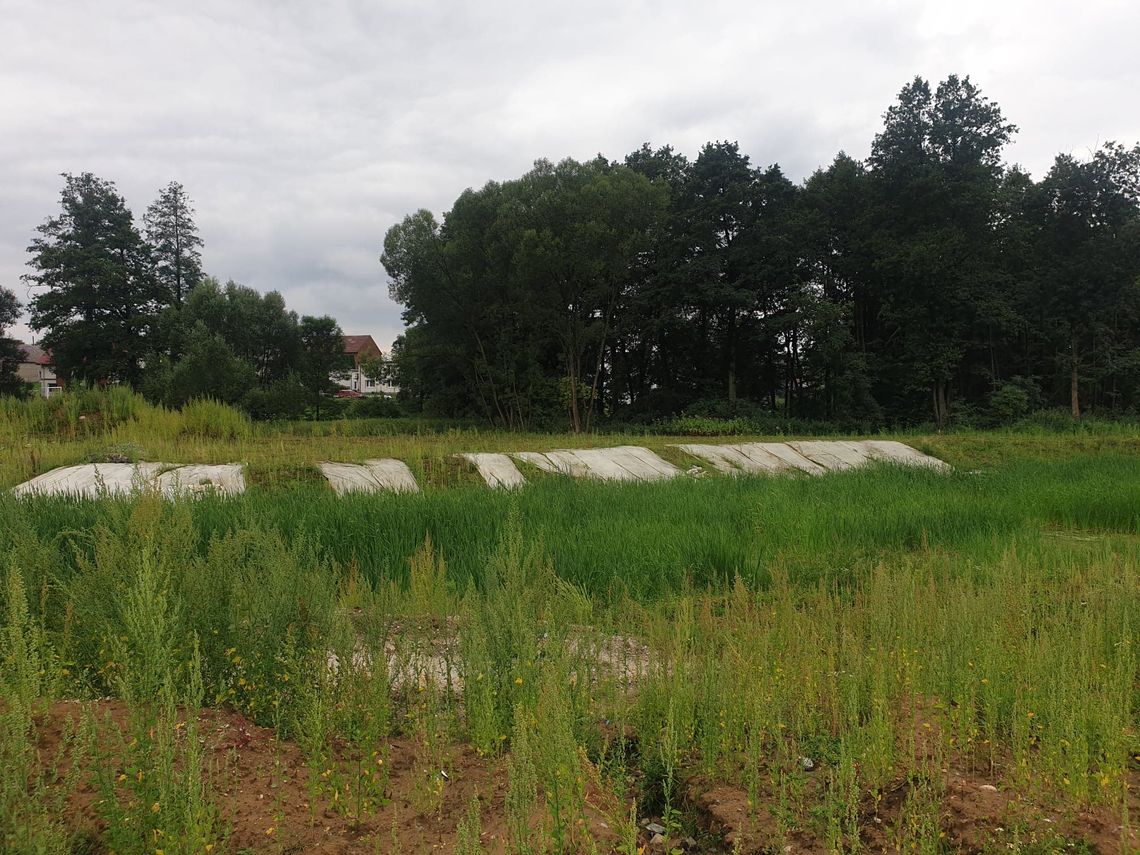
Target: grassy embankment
pixel 40 435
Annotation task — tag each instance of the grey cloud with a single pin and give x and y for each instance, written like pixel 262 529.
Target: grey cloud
pixel 304 130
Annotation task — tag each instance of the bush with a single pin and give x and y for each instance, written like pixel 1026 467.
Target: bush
pixel 373 407
pixel 330 408
pixel 210 369
pixel 282 400
pixel 210 418
pixel 769 424
pixel 1008 403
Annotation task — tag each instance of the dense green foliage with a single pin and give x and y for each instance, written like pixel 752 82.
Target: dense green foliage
pixel 240 347
pixel 933 282
pixel 118 307
pixel 10 353
pixel 99 296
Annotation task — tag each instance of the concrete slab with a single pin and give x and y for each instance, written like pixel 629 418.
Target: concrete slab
pixel 555 462
pixel 813 456
pixel 92 480
pixel 223 479
pixel 498 470
pixel 374 476
pixel 726 459
pixel 769 461
pixel 833 456
pixel 599 463
pixel 619 463
pixel 626 463
pixel 394 475
pixel 788 455
pixel 891 451
pixel 663 468
pixel 752 458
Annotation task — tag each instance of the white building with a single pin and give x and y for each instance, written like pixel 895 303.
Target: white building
pixel 36 368
pixel 355 381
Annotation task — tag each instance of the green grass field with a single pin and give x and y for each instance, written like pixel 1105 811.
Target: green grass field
pixel 877 660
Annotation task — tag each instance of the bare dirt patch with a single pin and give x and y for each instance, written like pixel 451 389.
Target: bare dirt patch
pixel 977 815
pixel 261 785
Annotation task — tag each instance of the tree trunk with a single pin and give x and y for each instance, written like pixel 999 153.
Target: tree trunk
pixel 941 409
pixel 732 355
pixel 1074 384
pixel 593 402
pixel 575 416
pixel 828 394
pixel 1074 392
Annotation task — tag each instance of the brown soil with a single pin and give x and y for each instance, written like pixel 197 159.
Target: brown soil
pixel 261 786
pixel 977 816
pixel 979 812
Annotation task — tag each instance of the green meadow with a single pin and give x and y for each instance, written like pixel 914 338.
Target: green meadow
pixel 878 660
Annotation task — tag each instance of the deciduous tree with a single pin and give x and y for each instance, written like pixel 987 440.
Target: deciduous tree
pixel 936 169
pixel 1088 278
pixel 10 353
pixel 323 356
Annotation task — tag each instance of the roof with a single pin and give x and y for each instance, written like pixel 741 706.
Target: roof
pixel 35 354
pixel 357 343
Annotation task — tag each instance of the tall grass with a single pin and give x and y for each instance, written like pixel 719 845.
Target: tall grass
pixel 898 629
pixel 649 539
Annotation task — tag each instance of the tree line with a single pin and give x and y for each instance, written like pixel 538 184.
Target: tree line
pixel 933 282
pixel 116 304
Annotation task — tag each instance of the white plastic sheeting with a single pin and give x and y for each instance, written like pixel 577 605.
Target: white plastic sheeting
pixel 93 480
pixel 832 456
pixel 621 463
pixel 374 476
pixel 498 470
pixel 813 457
pixel 226 479
pixel 892 451
pixel 752 457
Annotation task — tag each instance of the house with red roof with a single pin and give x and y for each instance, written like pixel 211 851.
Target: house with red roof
pixel 36 368
pixel 355 381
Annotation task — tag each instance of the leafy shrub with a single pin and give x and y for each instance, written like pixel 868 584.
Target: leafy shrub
pixel 283 400
pixel 213 419
pixel 1008 403
pixel 210 369
pixel 705 426
pixel 763 424
pixel 373 407
pixel 331 408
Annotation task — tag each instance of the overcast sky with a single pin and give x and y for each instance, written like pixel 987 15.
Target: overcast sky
pixel 303 130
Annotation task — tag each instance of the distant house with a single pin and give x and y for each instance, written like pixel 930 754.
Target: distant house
pixel 36 368
pixel 355 381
